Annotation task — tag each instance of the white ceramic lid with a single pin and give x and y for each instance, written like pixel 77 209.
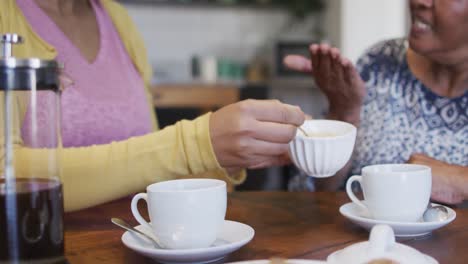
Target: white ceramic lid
pixel 381 246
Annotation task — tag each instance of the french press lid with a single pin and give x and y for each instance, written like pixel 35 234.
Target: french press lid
pixel 26 74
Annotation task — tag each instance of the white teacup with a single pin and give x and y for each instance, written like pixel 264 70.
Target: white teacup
pixel 325 150
pixel 185 213
pixel 394 192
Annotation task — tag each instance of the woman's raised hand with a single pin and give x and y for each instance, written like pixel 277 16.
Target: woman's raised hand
pixel 336 76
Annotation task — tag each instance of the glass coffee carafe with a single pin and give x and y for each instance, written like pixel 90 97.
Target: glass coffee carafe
pixel 31 200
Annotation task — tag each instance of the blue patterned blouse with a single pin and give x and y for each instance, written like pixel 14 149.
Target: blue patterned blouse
pixel 401 116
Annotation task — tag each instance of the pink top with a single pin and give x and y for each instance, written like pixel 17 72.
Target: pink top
pixel 107 101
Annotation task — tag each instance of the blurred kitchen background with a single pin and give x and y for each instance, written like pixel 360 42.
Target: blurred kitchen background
pixel 210 53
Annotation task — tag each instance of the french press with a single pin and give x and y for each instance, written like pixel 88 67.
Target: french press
pixel 31 200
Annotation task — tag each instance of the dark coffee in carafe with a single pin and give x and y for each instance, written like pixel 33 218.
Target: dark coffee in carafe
pixel 31 223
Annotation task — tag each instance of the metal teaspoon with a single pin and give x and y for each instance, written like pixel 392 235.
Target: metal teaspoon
pixel 121 223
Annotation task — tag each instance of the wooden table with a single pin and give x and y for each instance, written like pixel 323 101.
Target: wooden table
pixel 289 225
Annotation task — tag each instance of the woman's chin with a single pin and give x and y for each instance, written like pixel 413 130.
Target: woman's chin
pixel 419 44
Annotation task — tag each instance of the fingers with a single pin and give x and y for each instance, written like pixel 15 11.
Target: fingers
pixel 330 62
pixel 338 63
pixel 350 73
pixel 336 75
pixel 274 132
pixel 446 197
pixel 323 53
pixel 298 63
pixel 315 56
pixel 258 153
pixel 266 162
pixel 325 62
pixel 335 53
pixel 273 111
pixel 268 148
pixel 345 62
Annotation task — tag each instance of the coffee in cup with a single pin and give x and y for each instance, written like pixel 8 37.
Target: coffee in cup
pixel 185 213
pixel 393 192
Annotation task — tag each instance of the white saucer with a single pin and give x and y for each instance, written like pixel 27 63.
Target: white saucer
pixel 289 261
pixel 233 235
pixel 402 229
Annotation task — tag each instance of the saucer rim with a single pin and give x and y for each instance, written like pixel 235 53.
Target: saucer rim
pixel 177 252
pixel 265 261
pixel 452 215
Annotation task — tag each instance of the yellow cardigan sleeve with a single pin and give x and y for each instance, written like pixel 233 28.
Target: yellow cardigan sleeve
pixel 100 173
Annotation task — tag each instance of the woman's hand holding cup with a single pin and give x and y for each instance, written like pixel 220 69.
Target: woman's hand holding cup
pixel 254 134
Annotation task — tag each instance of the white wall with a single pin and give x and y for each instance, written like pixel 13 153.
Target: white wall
pixel 174 34
pixel 358 24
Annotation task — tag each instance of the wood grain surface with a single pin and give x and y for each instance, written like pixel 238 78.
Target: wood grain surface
pixel 288 225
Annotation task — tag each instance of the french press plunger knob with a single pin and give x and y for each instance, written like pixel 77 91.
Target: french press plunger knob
pixel 7 42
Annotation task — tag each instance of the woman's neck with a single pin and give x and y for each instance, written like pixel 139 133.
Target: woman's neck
pixel 443 79
pixel 65 7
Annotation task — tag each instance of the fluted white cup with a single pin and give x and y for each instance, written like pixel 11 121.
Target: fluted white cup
pixel 326 151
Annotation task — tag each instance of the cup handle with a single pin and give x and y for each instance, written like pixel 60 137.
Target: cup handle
pixel 350 192
pixel 136 213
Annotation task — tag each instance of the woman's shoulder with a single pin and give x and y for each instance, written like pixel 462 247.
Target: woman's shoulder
pixel 383 58
pixel 116 10
pixel 389 47
pixel 131 37
pixel 6 5
pixel 390 51
pixel 121 18
pixel 8 11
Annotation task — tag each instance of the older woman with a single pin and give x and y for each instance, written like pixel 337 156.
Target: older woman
pixel 409 97
pixel 112 144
